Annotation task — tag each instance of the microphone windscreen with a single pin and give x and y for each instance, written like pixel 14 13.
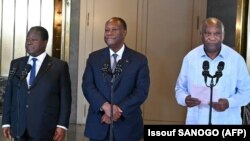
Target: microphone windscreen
pixel 27 68
pixel 205 65
pixel 220 66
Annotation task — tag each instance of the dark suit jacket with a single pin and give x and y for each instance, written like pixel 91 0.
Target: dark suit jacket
pixel 130 91
pixel 43 106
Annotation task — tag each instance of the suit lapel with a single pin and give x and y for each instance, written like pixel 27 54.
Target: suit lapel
pixel 22 65
pixel 106 60
pixel 46 65
pixel 125 61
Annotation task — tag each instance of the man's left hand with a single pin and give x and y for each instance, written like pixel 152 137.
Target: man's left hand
pixel 221 105
pixel 59 134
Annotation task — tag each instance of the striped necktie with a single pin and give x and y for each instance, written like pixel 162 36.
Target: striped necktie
pixel 114 63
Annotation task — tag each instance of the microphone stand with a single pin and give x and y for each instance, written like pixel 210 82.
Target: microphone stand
pixel 106 70
pixel 211 99
pixel 111 108
pixel 212 84
pixel 217 75
pixel 11 76
pixel 21 78
pixel 116 73
pixel 17 138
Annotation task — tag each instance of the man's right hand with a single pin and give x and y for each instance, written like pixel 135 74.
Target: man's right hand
pixel 106 119
pixel 117 112
pixel 191 102
pixel 7 132
pixel 106 108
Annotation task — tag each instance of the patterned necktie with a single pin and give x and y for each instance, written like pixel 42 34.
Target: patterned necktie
pixel 33 71
pixel 114 63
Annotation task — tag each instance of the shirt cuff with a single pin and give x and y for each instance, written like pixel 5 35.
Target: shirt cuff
pixel 62 127
pixel 5 125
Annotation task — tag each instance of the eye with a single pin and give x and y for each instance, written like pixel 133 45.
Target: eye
pixel 217 34
pixel 207 34
pixel 32 39
pixel 114 30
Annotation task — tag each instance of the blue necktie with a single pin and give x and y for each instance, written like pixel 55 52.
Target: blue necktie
pixel 114 63
pixel 33 71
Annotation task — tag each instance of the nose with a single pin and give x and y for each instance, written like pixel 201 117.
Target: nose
pixel 212 37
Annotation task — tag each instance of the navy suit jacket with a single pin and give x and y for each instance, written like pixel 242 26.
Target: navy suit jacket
pixel 130 91
pixel 42 106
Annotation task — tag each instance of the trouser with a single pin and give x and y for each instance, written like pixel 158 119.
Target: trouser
pixel 27 137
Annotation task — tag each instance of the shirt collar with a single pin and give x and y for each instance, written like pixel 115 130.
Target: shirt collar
pixel 119 53
pixel 222 53
pixel 39 58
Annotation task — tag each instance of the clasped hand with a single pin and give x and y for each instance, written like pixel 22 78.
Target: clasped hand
pixel 106 118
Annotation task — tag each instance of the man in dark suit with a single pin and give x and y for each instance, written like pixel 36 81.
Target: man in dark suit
pixel 115 96
pixel 37 110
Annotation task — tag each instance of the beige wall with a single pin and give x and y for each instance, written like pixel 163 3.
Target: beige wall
pixel 94 14
pixel 153 26
pixel 163 30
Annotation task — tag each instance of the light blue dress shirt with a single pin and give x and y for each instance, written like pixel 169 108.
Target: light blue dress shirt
pixel 234 85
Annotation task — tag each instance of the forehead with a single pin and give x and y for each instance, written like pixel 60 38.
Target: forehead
pixel 213 28
pixel 34 33
pixel 113 23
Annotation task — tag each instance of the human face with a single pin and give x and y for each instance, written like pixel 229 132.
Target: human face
pixel 114 35
pixel 212 38
pixel 34 43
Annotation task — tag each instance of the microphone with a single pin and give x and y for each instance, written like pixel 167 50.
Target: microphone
pixel 13 71
pixel 205 71
pixel 106 69
pixel 218 73
pixel 117 71
pixel 220 66
pixel 25 71
pixel 118 68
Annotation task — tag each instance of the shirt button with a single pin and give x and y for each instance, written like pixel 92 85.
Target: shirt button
pixel 28 92
pixel 27 106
